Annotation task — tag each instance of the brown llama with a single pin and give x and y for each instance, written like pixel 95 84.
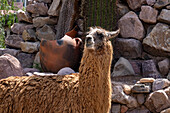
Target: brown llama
pixel 86 92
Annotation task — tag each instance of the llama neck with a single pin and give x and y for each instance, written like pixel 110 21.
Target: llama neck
pixel 95 83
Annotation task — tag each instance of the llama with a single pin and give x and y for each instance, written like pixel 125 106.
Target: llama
pixel 86 92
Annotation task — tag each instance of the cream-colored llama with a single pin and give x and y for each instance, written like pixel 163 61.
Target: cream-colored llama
pixel 86 92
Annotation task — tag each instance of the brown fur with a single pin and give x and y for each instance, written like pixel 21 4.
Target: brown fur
pixel 89 92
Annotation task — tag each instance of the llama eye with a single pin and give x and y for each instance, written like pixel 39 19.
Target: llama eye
pixel 100 35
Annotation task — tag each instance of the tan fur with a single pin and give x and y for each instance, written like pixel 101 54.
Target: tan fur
pixel 87 92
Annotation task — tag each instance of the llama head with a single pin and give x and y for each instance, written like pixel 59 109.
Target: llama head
pixel 97 38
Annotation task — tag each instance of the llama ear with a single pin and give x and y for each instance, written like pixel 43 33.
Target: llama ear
pixel 91 28
pixel 112 34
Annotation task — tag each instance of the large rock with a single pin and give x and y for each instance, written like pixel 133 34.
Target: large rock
pixel 150 2
pixel 9 66
pixel 164 16
pixel 166 111
pixel 141 109
pixel 115 108
pixel 140 98
pixel 45 32
pixel 149 69
pixel 137 66
pixel 14 41
pixel 24 16
pixel 26 59
pixel 135 4
pixel 122 9
pixel 128 48
pixel 157 42
pixel 164 66
pixel 122 67
pixel 131 26
pixel 29 47
pixel 123 109
pixel 148 14
pixel 12 52
pixel 37 8
pixel 140 88
pixel 41 21
pixel 147 80
pixel 119 96
pixel 157 101
pixel 18 28
pixel 44 1
pixel 160 84
pixel 68 15
pixel 161 3
pixel 29 35
pixel 55 8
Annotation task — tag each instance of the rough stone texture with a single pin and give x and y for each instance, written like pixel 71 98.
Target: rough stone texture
pixel 128 48
pixel 122 67
pixel 115 108
pixel 140 98
pixel 122 9
pixel 140 88
pixel 55 8
pixel 164 16
pixel 18 28
pixel 26 59
pixel 65 71
pixel 148 14
pixel 166 111
pixel 157 43
pixel 147 80
pixel 37 8
pixel 149 69
pixel 127 89
pixel 9 66
pixel 141 109
pixel 119 96
pixel 150 2
pixel 44 1
pixel 45 32
pixel 160 84
pixel 168 77
pixel 161 3
pixel 36 63
pixel 123 109
pixel 14 41
pixel 29 47
pixel 149 29
pixel 29 35
pixel 24 16
pixel 135 4
pixel 168 7
pixel 68 15
pixel 41 21
pixel 164 66
pixel 137 66
pixel 12 52
pixel 157 101
pixel 131 26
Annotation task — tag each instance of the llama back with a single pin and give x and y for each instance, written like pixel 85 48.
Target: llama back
pixel 37 94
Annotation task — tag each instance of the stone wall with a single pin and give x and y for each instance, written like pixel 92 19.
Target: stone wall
pixel 47 19
pixel 142 53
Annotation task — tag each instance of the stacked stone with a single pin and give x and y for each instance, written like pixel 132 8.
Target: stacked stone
pixel 146 96
pixel 143 46
pixel 142 50
pixel 47 19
